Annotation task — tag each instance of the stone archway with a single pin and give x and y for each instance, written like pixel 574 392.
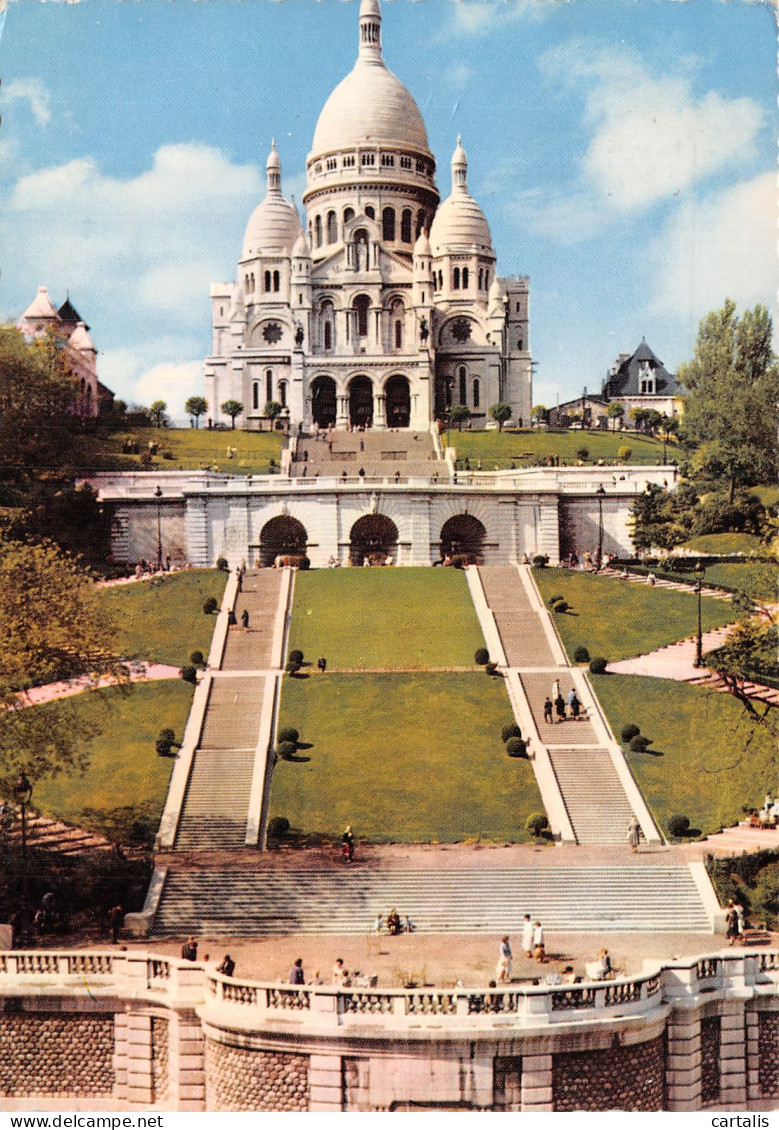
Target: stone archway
pixel 323 402
pixel 361 402
pixel 463 534
pixel 397 402
pixel 281 537
pixel 375 537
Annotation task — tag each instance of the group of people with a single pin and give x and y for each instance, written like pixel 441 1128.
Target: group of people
pixel 557 708
pixel 394 924
pixel 189 953
pixel 768 816
pixel 735 920
pixel 533 944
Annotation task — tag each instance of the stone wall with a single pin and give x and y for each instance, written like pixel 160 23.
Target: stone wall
pixel 768 1051
pixel 160 1059
pixel 621 1078
pixel 45 1054
pixel 710 1059
pixel 244 1079
pixel 507 1083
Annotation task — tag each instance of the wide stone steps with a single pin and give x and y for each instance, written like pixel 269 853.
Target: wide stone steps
pixel 596 802
pixel 231 902
pixel 251 650
pixel 216 804
pixel 519 625
pixel 232 719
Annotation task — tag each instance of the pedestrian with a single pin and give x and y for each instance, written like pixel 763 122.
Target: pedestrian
pixel 548 711
pixel 503 972
pixel 245 619
pixel 739 909
pixel 555 690
pixel 189 950
pixel 634 833
pixel 227 968
pixel 321 664
pixel 731 923
pixel 231 618
pixel 539 945
pixel 339 973
pixel 115 919
pixel 296 974
pixel 347 843
pixel 527 936
pixel 239 575
pixel 575 706
pixel 559 704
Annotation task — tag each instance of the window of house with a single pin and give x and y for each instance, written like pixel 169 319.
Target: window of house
pixel 476 394
pixel 328 335
pixel 283 394
pixel 388 160
pixel 388 224
pixel 405 225
pixel 318 167
pixel 367 159
pixel 332 163
pixel 481 277
pixel 255 395
pixel 348 215
pixel 421 167
pixel 405 162
pixel 420 223
pixel 465 278
pixel 349 161
pixel 521 343
pixel 370 212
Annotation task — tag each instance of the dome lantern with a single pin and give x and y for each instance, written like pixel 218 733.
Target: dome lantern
pixel 274 225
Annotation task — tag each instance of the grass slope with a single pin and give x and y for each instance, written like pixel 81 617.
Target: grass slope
pixel 125 769
pixel 708 760
pixel 189 448
pixel 162 620
pixel 385 617
pixel 524 448
pixel 721 544
pixel 619 619
pixel 403 758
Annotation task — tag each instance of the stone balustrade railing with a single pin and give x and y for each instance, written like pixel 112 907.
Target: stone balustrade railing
pixel 136 974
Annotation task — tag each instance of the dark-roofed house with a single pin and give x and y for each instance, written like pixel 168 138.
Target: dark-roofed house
pixel 640 380
pixel 588 410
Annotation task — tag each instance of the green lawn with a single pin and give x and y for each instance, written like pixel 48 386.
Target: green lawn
pixel 759 579
pixel 162 620
pixel 403 758
pixel 721 544
pixel 190 448
pixel 125 769
pixel 385 618
pixel 526 447
pixel 713 760
pixel 619 619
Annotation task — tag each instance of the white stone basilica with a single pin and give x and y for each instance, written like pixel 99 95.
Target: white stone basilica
pixel 387 309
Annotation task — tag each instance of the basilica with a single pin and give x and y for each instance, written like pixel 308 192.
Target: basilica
pixel 385 309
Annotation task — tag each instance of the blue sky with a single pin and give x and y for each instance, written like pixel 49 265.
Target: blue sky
pixel 623 153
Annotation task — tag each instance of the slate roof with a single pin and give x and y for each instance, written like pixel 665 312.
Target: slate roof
pixel 69 313
pixel 625 376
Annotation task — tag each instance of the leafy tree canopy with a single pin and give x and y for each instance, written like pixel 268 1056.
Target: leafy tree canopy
pixel 36 393
pixel 502 413
pixel 158 410
pixel 196 406
pixel 232 408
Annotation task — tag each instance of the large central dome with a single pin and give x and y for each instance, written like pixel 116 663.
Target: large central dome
pixel 370 106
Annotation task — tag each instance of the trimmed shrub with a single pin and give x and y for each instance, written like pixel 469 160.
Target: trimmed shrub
pixel 624 453
pixel 581 655
pixel 296 656
pixel 189 674
pixel 460 560
pixel 539 561
pixel 305 563
pixel 221 563
pixel 516 747
pixel 289 734
pixel 678 826
pixel 278 827
pixel 165 742
pixel 293 666
pixel 286 749
pixel 481 656
pixel 554 599
pixel 639 744
pixel 210 606
pixel 511 730
pixel 196 658
pixel 583 453
pixel 537 823
pixel 629 731
pixel 561 606
pixel 598 665
pixel 491 668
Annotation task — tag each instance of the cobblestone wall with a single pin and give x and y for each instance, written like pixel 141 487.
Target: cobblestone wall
pixel 244 1079
pixel 768 1051
pixel 44 1054
pixel 507 1083
pixel 710 1056
pixel 160 1059
pixel 631 1078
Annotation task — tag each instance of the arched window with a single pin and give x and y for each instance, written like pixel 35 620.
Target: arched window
pixel 253 283
pixel 463 386
pixel 456 278
pixel 397 317
pixel 370 212
pixel 318 230
pixel 476 394
pixel 398 334
pixel 266 281
pixel 283 394
pixel 486 280
pixel 332 228
pixel 440 280
pixel 255 395
pixel 361 305
pixel 481 277
pixel 420 223
pixel 276 280
pixel 348 215
pixel 328 328
pixel 521 344
pixel 326 321
pixel 405 225
pixel 268 384
pixel 388 225
pixel 465 278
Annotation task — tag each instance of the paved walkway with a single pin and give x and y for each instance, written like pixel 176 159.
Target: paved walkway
pixel 138 673
pixel 663 583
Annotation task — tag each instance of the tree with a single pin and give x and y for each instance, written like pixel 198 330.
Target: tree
pixel 458 414
pixel 540 414
pixel 196 406
pixel 502 413
pixel 615 411
pixel 158 414
pixel 733 389
pixel 232 408
pixel 36 394
pixel 272 410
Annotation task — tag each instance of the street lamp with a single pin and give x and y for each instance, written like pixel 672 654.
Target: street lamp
pixel 158 496
pixel 23 793
pixel 699 569
pixel 601 493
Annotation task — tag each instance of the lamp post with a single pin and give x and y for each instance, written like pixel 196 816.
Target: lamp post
pixel 158 496
pixel 699 639
pixel 23 793
pixel 601 493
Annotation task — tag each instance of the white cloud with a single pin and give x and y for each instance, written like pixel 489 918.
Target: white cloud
pixel 157 368
pixel 562 219
pixel 459 74
pixel 172 383
pixel 651 138
pixel 478 17
pixel 723 246
pixel 34 93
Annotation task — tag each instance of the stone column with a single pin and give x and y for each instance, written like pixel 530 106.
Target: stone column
pixel 325 1083
pixel 138 1049
pixel 379 417
pixel 187 1062
pixel 733 1055
pixel 537 1087
pixel 342 417
pixel 683 1062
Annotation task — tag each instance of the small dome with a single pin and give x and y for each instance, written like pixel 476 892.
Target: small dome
pixel 459 222
pixel 81 340
pixel 300 250
pixel 497 298
pixel 422 245
pixel 274 225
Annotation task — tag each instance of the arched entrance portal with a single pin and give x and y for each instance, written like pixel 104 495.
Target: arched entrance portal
pixel 374 537
pixel 463 534
pixel 361 402
pixel 397 402
pixel 323 402
pixel 280 537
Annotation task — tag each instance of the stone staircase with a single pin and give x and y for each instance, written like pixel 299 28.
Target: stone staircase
pixel 251 650
pixel 216 805
pixel 238 903
pixel 519 625
pixel 381 455
pixel 593 795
